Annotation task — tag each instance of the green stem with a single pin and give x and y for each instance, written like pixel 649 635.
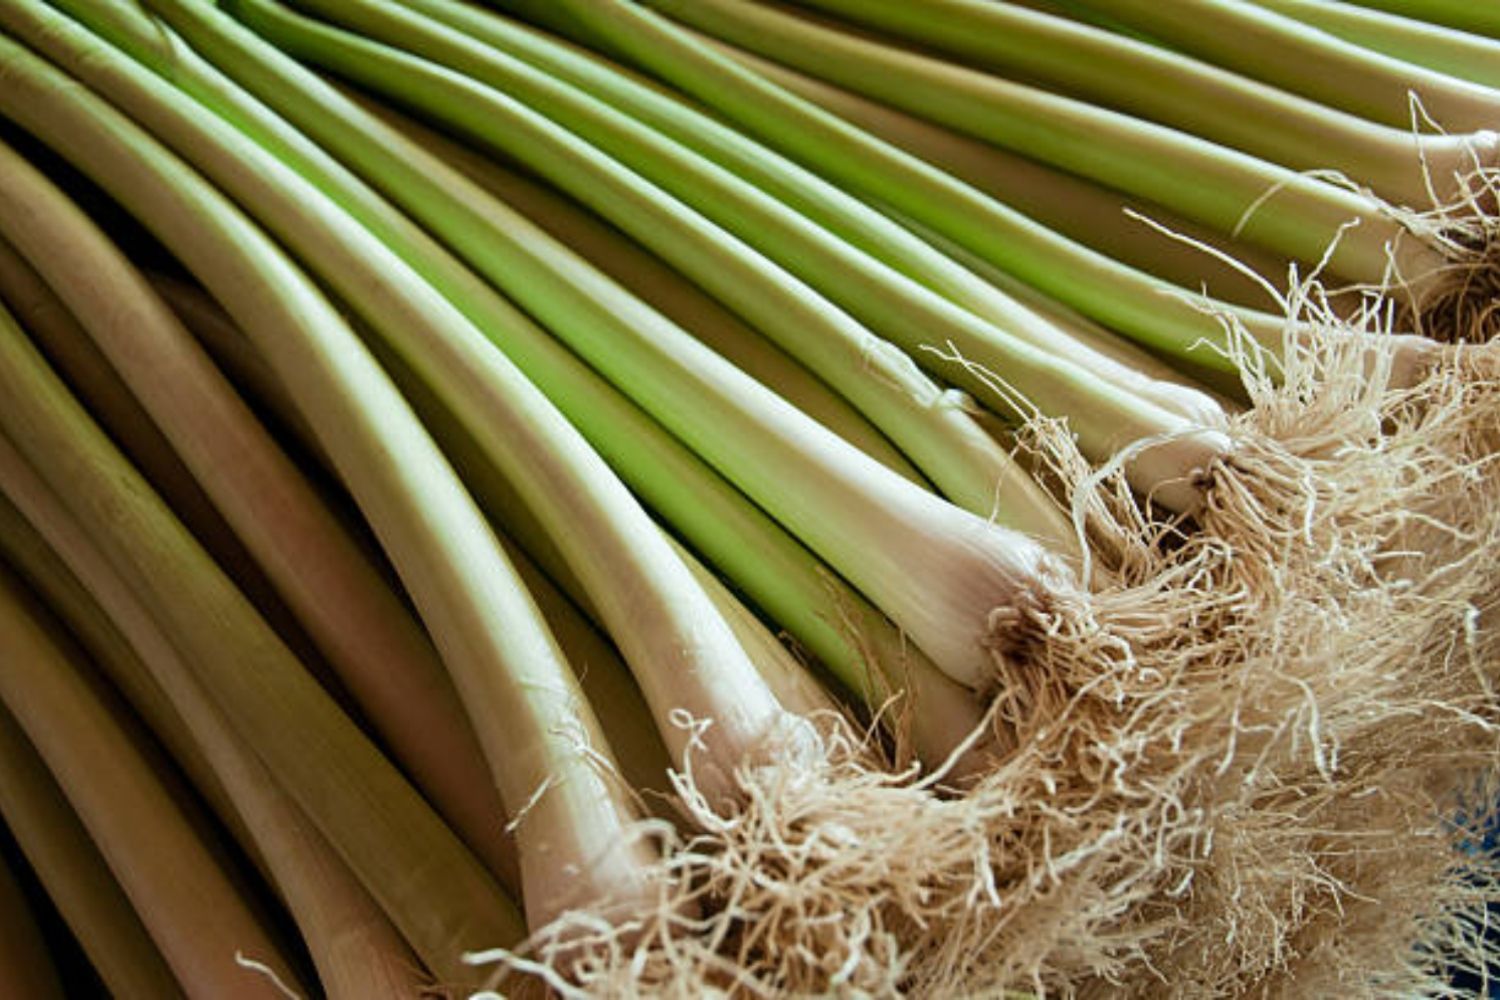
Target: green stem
pixel 236 358
pixel 1260 43
pixel 59 336
pixel 395 843
pixel 880 380
pixel 684 655
pixel 1038 367
pixel 189 904
pixel 1447 50
pixel 76 875
pixel 356 950
pixel 376 647
pixel 831 495
pixel 1137 305
pixel 1078 209
pixel 26 966
pixel 66 345
pixel 24 541
pixel 1262 203
pixel 605 679
pixel 827 616
pixel 1478 18
pixel 659 285
pixel 1195 97
pixel 833 621
pixel 844 216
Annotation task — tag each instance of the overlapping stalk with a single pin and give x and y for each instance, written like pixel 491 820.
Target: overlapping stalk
pixel 685 678
pixel 1221 747
pixel 1446 50
pixel 28 968
pixel 76 876
pixel 188 901
pixel 968 566
pixel 375 646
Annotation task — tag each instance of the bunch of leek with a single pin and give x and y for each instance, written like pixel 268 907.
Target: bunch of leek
pixel 438 520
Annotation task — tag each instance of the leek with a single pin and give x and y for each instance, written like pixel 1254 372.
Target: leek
pixel 188 903
pixel 787 792
pixel 26 967
pixel 1239 35
pixel 67 346
pixel 664 289
pixel 829 618
pixel 939 571
pixel 1446 50
pixel 1071 206
pixel 930 428
pixel 495 403
pixel 76 876
pixel 1194 97
pixel 1146 309
pixel 325 764
pixel 890 305
pixel 1277 207
pixel 378 651
pixel 799 189
pixel 1478 19
pixel 354 947
pixel 236 358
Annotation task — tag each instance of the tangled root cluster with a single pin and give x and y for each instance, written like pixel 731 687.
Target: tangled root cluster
pixel 1235 768
pixel 815 882
pixel 1242 762
pixel 1459 302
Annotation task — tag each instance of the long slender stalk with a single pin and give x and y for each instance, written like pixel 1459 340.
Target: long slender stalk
pixel 976 566
pixel 1198 98
pixel 640 752
pixel 1447 50
pixel 1476 18
pixel 30 554
pixel 235 356
pixel 793 683
pixel 551 127
pixel 378 650
pixel 536 447
pixel 1260 43
pixel 604 677
pixel 883 383
pixel 828 617
pixel 1229 388
pixel 611 684
pixel 26 966
pixel 76 876
pixel 357 951
pixel 189 905
pixel 1142 307
pixel 828 206
pixel 79 361
pixel 1092 215
pixel 966 567
pixel 832 620
pixel 658 284
pixel 399 848
pixel 952 570
pixel 68 348
pixel 864 651
pixel 1260 202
